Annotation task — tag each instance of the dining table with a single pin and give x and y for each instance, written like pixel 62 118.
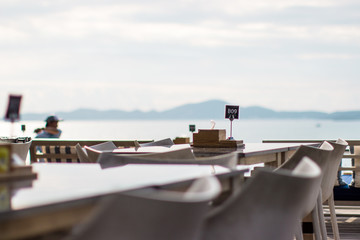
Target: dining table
pixel 63 194
pixel 269 154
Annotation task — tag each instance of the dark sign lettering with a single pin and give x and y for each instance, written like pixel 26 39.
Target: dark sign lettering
pixel 232 112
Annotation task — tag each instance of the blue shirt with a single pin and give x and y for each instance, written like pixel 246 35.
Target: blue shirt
pixel 45 134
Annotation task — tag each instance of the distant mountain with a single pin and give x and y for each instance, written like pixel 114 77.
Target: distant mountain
pixel 213 109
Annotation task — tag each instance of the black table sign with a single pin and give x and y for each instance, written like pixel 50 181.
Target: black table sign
pixel 13 109
pixel 232 112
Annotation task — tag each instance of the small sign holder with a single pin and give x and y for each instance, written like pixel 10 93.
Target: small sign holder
pixel 192 128
pixel 231 113
pixel 13 110
pixel 23 128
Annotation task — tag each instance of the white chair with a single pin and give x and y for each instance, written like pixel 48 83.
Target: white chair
pixel 108 160
pixel 84 156
pixel 182 153
pixel 21 149
pixel 81 153
pixel 327 186
pixel 155 215
pixel 321 156
pixel 162 142
pixel 267 207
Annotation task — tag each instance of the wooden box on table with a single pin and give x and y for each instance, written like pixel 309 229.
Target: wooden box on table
pixel 214 138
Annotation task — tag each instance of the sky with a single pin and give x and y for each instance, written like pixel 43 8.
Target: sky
pixel 63 55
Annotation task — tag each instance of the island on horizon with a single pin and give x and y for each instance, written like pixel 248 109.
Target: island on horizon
pixel 212 109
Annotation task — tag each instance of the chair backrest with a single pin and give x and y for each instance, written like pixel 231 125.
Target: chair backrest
pixel 228 160
pixel 90 154
pixel 104 146
pixel 326 146
pixel 183 153
pixel 81 153
pixel 318 155
pixel 21 149
pixel 321 156
pixel 107 160
pixel 158 215
pixel 306 168
pixel 157 157
pixel 162 142
pixel 330 175
pixel 267 207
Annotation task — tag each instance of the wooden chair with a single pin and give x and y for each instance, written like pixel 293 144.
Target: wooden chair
pixel 156 215
pixel 267 207
pixel 320 156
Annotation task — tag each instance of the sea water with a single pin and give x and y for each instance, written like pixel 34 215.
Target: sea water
pixel 249 130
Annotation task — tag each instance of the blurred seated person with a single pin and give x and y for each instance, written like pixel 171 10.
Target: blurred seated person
pixel 51 128
pixel 38 130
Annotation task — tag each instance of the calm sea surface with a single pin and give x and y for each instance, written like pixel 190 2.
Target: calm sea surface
pixel 247 130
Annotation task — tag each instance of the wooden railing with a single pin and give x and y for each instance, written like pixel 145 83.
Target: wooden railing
pixel 352 152
pixel 56 150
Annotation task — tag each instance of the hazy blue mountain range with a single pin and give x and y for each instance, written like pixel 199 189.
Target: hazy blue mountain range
pixel 213 109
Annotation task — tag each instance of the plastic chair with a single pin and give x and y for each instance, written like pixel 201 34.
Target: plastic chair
pixel 321 156
pixel 182 153
pixel 84 156
pixel 81 153
pixel 108 160
pixel 267 207
pixel 21 149
pixel 327 186
pixel 162 142
pixel 158 215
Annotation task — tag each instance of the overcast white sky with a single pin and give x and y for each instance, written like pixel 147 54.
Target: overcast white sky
pixel 154 55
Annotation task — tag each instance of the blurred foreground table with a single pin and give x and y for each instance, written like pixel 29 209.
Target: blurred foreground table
pixel 64 194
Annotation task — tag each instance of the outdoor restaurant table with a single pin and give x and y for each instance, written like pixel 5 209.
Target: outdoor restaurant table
pixel 271 154
pixel 64 193
pixel 152 149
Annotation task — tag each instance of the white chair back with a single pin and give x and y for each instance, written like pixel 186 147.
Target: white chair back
pixel 267 207
pixel 153 215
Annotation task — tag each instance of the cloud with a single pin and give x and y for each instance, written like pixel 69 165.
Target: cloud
pixel 159 54
pixel 329 56
pixel 152 23
pixel 9 34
